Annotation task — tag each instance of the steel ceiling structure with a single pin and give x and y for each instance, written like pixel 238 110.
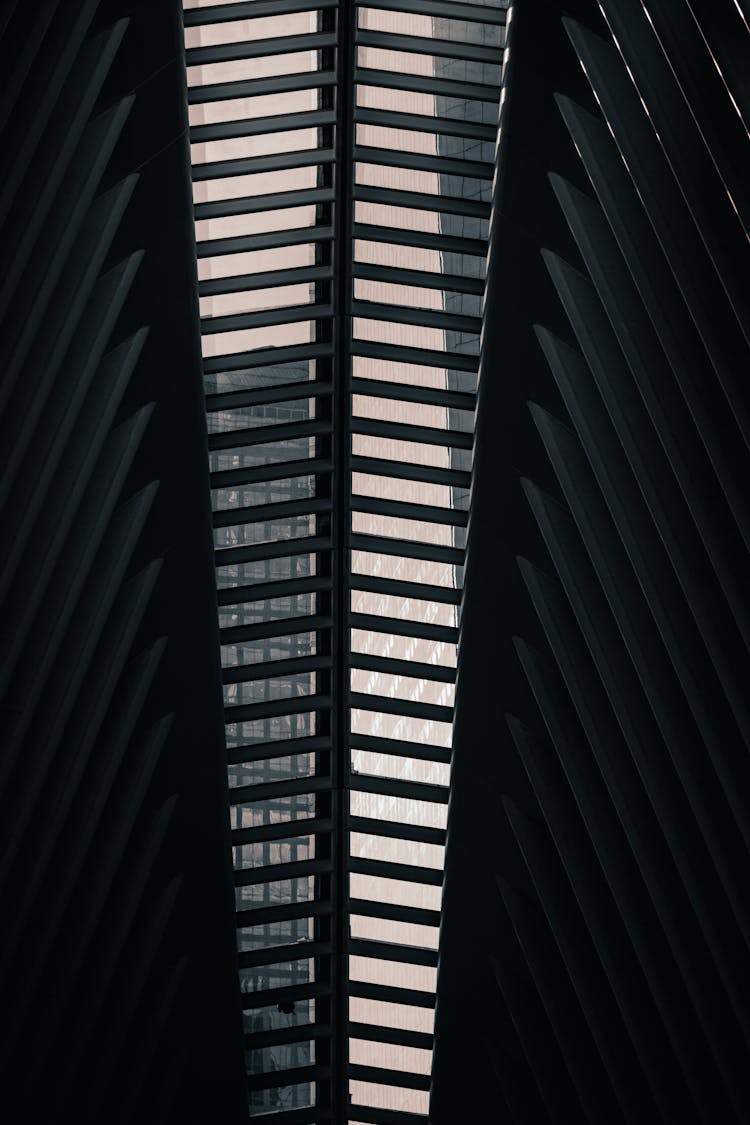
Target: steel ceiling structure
pixel 341 458
pixel 258 859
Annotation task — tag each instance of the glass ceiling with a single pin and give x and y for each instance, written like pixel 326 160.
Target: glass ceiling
pixel 343 157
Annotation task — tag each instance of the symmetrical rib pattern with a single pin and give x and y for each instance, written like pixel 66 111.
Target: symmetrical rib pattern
pixel 342 163
pixel 625 901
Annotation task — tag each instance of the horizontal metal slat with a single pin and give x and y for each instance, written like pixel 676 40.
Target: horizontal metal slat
pixel 414 161
pixel 425 318
pixel 373 1033
pixel 425 123
pixel 383 1077
pixel 386 993
pixel 263 630
pixel 412 997
pixel 379 544
pixel 395 787
pixel 261 126
pixel 265 357
pixel 372 1115
pixel 393 705
pixel 284 588
pixel 271 513
pixel 270 394
pixel 391 951
pixel 264 318
pixel 399 748
pixel 271 279
pixel 390 666
pixel 419 278
pixel 401 627
pixel 259 48
pixel 278 1036
pixel 422 201
pixel 394 912
pixel 277 470
pixel 282 912
pixel 270 997
pixel 278 748
pixel 251 87
pixel 403 431
pixel 246 754
pixel 406 470
pixel 424 45
pixel 282 549
pixel 262 513
pixel 277 790
pixel 422 357
pixel 449 243
pixel 293 1076
pixel 404 872
pixel 273 872
pixel 398 588
pixel 265 240
pixel 445 9
pixel 250 958
pixel 404 509
pixel 264 435
pixel 225 13
pixel 423 84
pixel 296 705
pixel 283 830
pixel 273 669
pixel 269 201
pixel 397 830
pixel 424 751
pixel 252 165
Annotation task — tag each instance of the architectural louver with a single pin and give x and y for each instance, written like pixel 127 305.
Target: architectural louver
pixel 342 163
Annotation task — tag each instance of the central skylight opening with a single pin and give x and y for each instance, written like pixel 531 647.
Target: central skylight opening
pixel 324 135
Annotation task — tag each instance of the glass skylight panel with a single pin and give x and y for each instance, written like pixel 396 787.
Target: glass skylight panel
pixel 259 176
pixel 425 162
pixel 297 284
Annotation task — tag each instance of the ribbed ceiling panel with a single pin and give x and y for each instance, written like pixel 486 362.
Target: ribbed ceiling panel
pixel 343 158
